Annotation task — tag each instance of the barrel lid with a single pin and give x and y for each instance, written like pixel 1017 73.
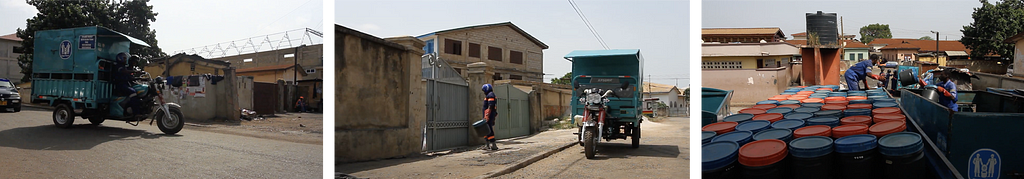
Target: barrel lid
pixel 814 105
pixel 707 135
pixel 762 152
pixel 780 110
pixel 856 120
pixel 719 127
pixel 790 106
pixel 823 89
pixel 805 92
pixel 763 106
pixel 886 117
pixel 735 136
pixel 886 110
pixel 855 143
pixel 900 144
pixel 828 113
pixel 798 115
pixel 812 100
pixel 806 109
pixel 858 111
pixel 789 92
pixel 811 146
pixel 788 124
pixel 741 117
pixel 823 119
pixel 833 107
pixel 771 117
pixel 718 154
pixel 849 129
pixel 840 102
pixel 812 130
pixel 835 98
pixel 858 106
pixel 859 101
pixel 768 102
pixel 754 111
pixel 754 125
pixel 876 97
pixel 789 102
pixel 886 99
pixel 781 134
pixel 887 127
pixel 882 104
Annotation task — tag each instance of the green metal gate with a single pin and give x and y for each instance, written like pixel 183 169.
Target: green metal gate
pixel 513 112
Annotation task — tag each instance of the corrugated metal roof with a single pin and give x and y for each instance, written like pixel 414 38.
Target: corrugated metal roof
pixel 602 53
pixel 727 31
pixel 956 53
pixel 12 37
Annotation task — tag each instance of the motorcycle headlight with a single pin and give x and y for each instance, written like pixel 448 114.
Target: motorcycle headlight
pixel 593 98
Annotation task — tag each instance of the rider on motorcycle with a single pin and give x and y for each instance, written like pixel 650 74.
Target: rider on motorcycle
pixel 123 81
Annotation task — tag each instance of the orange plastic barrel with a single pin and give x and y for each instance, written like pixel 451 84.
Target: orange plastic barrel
pixel 805 92
pixel 772 117
pixel 878 118
pixel 812 100
pixel 865 120
pixel 720 127
pixel 835 98
pixel 851 98
pixel 795 97
pixel 848 130
pixel 779 98
pixel 801 86
pixel 762 152
pixel 763 106
pixel 753 111
pixel 887 110
pixel 819 89
pixel 815 130
pixel 859 106
pixel 887 127
pixel 833 107
pixel 840 102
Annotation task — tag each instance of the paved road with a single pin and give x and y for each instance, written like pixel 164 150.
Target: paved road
pixel 32 147
pixel 663 153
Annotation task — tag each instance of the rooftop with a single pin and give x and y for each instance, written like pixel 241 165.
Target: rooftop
pixel 658 88
pixel 924 45
pixel 11 37
pixel 269 68
pixel 743 31
pixel 513 26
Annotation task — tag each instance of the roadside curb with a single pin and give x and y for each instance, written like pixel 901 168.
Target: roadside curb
pixel 524 163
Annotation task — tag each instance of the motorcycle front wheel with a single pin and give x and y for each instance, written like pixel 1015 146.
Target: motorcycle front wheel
pixel 170 124
pixel 590 142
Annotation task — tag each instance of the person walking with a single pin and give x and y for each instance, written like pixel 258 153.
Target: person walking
pixel 490 114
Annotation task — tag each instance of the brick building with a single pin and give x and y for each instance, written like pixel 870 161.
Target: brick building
pixel 311 60
pixel 514 54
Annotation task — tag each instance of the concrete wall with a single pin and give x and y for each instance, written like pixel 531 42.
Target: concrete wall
pixel 750 86
pixel 9 61
pixel 821 66
pixel 1018 58
pixel 379 96
pixel 271 76
pixel 503 37
pixel 984 66
pixel 220 103
pixel 310 57
pixel 243 84
pixel 996 81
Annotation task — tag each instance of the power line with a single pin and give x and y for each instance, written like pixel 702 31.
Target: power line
pixel 589 26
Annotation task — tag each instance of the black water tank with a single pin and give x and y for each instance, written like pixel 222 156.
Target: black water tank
pixel 824 25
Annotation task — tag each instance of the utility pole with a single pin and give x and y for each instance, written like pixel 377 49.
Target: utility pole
pixel 936 46
pixel 842 29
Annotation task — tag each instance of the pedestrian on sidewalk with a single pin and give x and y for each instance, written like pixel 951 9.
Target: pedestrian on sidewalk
pixel 300 105
pixel 490 113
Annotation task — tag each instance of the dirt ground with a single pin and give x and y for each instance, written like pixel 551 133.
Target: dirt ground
pixel 304 128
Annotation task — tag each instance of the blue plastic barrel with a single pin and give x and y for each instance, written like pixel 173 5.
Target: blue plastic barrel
pixel 718 159
pixel 885 100
pixel 827 120
pixel 768 102
pixel 884 104
pixel 782 111
pixel 706 136
pixel 857 112
pixel 754 126
pixel 903 156
pixel 857 156
pixel 806 109
pixel 860 101
pixel 813 105
pixel 789 93
pixel 811 157
pixel 791 124
pixel 740 137
pixel 781 134
pixel 784 102
pixel 798 115
pixel 738 118
pixel 829 113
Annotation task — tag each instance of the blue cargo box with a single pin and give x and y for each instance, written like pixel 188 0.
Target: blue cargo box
pixel 75 64
pixel 608 69
pixel 714 105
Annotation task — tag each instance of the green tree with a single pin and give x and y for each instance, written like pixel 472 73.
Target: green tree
pixel 925 38
pixel 874 31
pixel 992 24
pixel 131 17
pixel 564 80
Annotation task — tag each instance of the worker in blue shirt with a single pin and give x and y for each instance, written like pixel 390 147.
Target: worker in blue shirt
pixel 490 114
pixel 946 88
pixel 858 72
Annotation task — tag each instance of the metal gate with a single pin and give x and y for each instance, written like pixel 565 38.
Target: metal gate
pixel 261 103
pixel 513 112
pixel 447 104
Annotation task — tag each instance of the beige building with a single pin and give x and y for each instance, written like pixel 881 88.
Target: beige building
pixel 1018 53
pixel 742 35
pixel 514 54
pixel 185 65
pixel 9 58
pixel 270 74
pixel 756 71
pixel 311 60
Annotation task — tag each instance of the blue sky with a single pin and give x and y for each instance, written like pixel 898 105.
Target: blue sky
pixel 658 28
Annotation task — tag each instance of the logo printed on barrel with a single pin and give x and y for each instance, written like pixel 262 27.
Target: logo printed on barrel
pixel 983 164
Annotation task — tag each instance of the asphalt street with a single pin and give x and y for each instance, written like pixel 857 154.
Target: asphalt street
pixel 32 147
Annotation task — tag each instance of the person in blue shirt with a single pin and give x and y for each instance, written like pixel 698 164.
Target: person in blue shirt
pixel 858 72
pixel 946 89
pixel 490 114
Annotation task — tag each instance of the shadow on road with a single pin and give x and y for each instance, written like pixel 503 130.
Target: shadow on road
pixel 78 137
pixel 355 167
pixel 614 150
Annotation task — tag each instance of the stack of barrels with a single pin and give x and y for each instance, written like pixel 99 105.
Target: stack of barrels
pixel 815 132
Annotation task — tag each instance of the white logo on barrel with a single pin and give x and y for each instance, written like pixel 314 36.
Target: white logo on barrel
pixel 65 49
pixel 983 164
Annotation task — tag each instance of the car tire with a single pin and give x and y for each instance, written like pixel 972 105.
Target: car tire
pixel 96 120
pixel 63 116
pixel 17 108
